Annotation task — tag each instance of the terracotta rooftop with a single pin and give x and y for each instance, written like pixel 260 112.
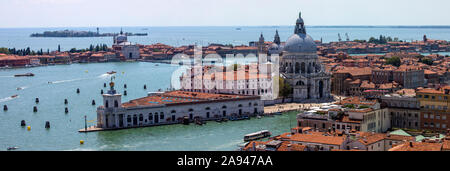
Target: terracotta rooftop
pixel 313 138
pixel 182 97
pixel 417 146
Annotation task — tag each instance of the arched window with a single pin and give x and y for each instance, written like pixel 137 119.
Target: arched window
pixel 116 104
pixel 106 104
pixel 173 111
pixel 207 108
pixel 191 110
pixel 303 68
pixel 224 107
pixel 240 105
pixel 297 68
pixel 150 116
pixel 300 83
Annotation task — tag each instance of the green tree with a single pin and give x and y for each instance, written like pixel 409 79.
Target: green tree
pixel 285 88
pixel 4 50
pixel 395 61
pixel 427 61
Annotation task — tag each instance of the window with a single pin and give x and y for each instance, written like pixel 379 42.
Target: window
pixel 431 116
pixel 425 115
pixel 116 104
pixel 161 115
pixel 444 126
pixel 106 104
pixel 150 116
pixel 444 117
pixel 425 124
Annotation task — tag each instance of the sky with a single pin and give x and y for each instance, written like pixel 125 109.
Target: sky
pixel 96 13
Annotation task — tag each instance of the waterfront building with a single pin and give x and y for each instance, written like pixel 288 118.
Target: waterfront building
pixel 256 80
pixel 434 108
pixel 171 108
pixel 14 61
pixel 301 68
pixel 124 48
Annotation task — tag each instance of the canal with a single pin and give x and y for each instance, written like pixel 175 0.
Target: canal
pixel 53 84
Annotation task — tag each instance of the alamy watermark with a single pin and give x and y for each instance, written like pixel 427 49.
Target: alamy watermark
pixel 234 73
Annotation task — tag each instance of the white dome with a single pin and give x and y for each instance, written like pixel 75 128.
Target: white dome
pixel 299 43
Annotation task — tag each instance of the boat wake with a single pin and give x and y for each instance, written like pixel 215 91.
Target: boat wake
pixel 7 99
pixel 65 81
pixel 6 76
pixel 22 88
pixel 103 76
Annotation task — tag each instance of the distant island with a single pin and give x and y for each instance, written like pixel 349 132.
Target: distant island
pixel 72 33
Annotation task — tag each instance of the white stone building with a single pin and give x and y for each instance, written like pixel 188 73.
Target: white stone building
pixel 171 107
pixel 252 79
pixel 125 48
pixel 301 68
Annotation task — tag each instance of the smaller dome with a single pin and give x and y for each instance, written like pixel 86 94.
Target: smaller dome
pixel 298 43
pixel 274 46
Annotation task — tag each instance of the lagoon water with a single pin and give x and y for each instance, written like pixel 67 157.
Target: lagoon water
pixel 177 36
pixel 89 78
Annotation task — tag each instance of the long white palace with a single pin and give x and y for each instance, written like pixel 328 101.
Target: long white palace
pixel 171 108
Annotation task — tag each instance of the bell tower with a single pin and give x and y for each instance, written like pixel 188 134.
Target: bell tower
pixel 112 99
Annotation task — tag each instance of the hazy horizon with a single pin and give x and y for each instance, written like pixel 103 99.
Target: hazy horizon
pixel 311 26
pixel 168 13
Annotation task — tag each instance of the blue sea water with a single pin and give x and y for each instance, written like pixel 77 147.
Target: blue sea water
pixel 177 36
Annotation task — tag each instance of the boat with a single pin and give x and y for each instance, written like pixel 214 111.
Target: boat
pixel 257 135
pixel 259 117
pixel 12 148
pixel 238 29
pixel 19 88
pixel 277 113
pixel 24 75
pixel 185 120
pixel 156 64
pixel 111 72
pixel 14 96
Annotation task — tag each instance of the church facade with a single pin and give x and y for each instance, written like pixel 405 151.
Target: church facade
pixel 301 68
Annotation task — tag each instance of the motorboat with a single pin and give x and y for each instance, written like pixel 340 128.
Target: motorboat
pixel 111 72
pixel 12 148
pixel 24 75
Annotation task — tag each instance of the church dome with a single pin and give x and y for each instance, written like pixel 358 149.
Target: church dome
pixel 298 43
